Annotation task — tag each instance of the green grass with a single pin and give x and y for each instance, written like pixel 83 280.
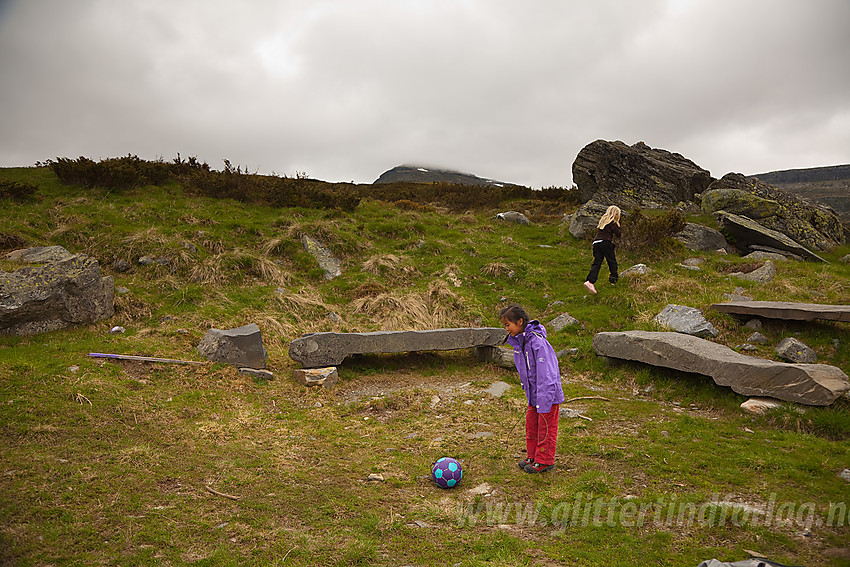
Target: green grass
pixel 108 462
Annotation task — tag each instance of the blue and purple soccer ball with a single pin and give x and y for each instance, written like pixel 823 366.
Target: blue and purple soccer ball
pixel 446 472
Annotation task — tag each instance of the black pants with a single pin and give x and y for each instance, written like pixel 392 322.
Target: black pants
pixel 603 250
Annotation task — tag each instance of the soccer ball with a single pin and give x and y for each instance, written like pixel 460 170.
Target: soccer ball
pixel 446 472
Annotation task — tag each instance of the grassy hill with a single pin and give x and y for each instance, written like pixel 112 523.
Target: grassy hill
pixel 127 463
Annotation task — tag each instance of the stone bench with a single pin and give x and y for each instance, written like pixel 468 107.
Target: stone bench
pixel 811 384
pixel 784 310
pixel 330 349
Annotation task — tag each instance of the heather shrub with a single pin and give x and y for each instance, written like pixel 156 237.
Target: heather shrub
pixel 111 173
pixel 16 190
pixel 641 231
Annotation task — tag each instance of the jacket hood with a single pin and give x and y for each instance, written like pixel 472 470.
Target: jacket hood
pixel 535 326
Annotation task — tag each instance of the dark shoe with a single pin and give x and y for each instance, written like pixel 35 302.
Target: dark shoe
pixel 524 462
pixel 537 468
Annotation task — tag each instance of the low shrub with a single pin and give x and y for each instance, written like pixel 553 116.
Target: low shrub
pixel 17 190
pixel 641 231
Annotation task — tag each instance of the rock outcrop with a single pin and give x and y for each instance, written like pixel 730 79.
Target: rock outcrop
pixel 748 233
pixel 330 349
pixel 684 319
pixel 811 384
pixel 66 290
pixel 812 225
pixel 636 176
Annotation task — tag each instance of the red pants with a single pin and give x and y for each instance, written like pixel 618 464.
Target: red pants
pixel 541 434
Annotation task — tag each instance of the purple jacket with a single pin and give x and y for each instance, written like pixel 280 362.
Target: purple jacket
pixel 538 367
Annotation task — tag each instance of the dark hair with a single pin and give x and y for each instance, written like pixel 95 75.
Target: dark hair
pixel 514 313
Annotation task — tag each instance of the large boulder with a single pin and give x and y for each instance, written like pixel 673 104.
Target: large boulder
pixel 636 176
pixel 68 290
pixel 812 225
pixel 811 384
pixel 747 233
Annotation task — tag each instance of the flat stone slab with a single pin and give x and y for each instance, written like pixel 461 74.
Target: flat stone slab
pixel 785 310
pixel 810 384
pixel 330 349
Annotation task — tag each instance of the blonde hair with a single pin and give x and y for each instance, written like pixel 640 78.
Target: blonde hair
pixel 612 214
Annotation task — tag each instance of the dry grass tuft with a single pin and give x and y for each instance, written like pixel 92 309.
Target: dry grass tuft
pixel 389 263
pixel 437 308
pixel 130 308
pixel 232 265
pixel 496 269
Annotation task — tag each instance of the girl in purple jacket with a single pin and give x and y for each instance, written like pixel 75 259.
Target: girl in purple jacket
pixel 540 376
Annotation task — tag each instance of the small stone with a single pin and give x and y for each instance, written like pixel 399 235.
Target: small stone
pixel 753 324
pixel 757 339
pixel 73 368
pixel 760 406
pixel 375 477
pixel 481 489
pixel 325 377
pixel 845 474
pixel 121 290
pixel 435 401
pixel 747 347
pixel 566 352
pixel 257 373
pixel 794 350
pixel 117 330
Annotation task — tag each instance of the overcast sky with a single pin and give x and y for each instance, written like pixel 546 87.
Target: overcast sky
pixel 343 90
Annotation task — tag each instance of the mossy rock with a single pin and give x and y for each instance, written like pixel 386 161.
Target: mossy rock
pixel 740 203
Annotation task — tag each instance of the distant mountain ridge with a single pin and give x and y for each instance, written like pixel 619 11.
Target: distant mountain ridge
pixel 829 185
pixel 421 174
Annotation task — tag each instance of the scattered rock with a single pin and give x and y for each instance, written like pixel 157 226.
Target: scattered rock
pixel 562 321
pixel 40 255
pixel 375 477
pixel 760 406
pixel 121 290
pixel 121 266
pixel 117 330
pixel 257 373
pixel 325 377
pixel 758 255
pixel 326 261
pixel 687 267
pixel 502 357
pixel 497 389
pixel 811 384
pixel 747 347
pixel 753 325
pixel 684 319
pixel 636 270
pixel 480 490
pixel 845 474
pixel 794 350
pixel 584 221
pixel 757 338
pixel 57 295
pixel 761 275
pixel 845 259
pixel 701 238
pixel 241 347
pixel 566 352
pixel 513 216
